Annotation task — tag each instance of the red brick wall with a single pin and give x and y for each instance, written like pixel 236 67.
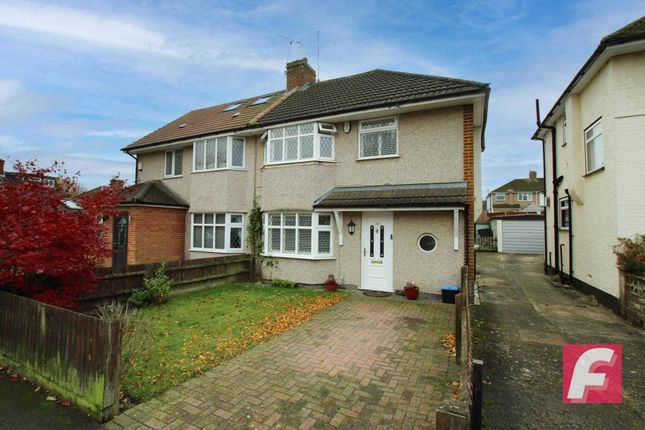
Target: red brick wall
pixel 154 235
pixel 469 177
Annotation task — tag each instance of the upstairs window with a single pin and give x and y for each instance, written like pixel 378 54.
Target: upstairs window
pixel 525 197
pixel 300 142
pixel 174 160
pixel 500 197
pixel 218 153
pixel 564 213
pixel 378 138
pixel 594 147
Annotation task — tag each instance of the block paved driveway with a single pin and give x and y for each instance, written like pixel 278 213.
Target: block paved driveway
pixel 366 363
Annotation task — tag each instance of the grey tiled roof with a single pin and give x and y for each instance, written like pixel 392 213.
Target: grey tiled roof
pixel 376 88
pixel 408 195
pixel 632 31
pixel 153 193
pixel 525 184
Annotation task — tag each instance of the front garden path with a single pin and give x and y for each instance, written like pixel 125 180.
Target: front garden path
pixel 366 363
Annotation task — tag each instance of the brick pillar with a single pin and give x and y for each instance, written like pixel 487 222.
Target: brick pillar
pixel 469 178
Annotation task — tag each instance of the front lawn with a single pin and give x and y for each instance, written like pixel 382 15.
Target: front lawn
pixel 195 332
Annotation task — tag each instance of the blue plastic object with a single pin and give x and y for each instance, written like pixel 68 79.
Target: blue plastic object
pixel 448 293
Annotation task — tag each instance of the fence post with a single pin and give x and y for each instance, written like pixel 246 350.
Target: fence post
pixel 458 321
pixel 113 367
pixel 476 417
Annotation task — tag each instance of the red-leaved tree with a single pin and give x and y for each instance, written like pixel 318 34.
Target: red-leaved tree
pixel 48 251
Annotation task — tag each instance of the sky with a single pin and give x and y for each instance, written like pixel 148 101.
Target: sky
pixel 79 80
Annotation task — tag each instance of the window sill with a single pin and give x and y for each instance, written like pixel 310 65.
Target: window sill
pixel 217 251
pixel 299 163
pixel 563 228
pixel 300 257
pixel 239 169
pixel 173 176
pixel 382 157
pixel 600 169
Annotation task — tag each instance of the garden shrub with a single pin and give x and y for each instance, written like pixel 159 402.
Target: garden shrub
pixel 155 289
pixel 134 330
pixel 630 254
pixel 283 283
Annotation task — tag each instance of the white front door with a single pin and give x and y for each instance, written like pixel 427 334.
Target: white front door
pixel 376 259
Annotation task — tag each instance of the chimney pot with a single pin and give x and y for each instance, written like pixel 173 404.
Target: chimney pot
pixel 116 183
pixel 532 174
pixel 299 73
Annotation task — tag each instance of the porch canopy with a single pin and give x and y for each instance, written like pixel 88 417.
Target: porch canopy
pixel 436 196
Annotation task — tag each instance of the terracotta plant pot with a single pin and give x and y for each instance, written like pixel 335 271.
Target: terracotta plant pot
pixel 330 284
pixel 411 293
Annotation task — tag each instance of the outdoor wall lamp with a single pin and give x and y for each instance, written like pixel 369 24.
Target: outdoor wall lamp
pixel 351 227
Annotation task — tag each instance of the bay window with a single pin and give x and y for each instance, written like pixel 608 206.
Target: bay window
pixel 222 232
pixel 378 138
pixel 218 153
pixel 300 142
pixel 298 234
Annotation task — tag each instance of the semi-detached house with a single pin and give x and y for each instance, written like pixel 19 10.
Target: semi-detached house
pixel 373 178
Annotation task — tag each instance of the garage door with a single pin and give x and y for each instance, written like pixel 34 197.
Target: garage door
pixel 522 236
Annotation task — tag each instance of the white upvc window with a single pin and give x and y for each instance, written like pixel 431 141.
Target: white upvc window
pixel 500 197
pixel 300 142
pixel 307 235
pixel 378 138
pixel 565 213
pixel 525 197
pixel 594 147
pixel 218 153
pixel 220 232
pixel 173 164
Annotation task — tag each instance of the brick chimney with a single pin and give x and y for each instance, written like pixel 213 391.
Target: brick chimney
pixel 532 174
pixel 1 167
pixel 299 73
pixel 116 183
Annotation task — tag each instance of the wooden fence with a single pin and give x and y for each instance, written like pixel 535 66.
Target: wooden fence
pixel 465 413
pixel 119 282
pixel 73 355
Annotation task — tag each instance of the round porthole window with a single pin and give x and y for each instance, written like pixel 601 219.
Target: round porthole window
pixel 427 242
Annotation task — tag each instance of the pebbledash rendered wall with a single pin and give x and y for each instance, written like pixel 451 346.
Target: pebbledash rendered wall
pixel 431 149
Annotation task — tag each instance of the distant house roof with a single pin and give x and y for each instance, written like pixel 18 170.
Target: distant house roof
pixel 373 89
pixel 521 185
pixel 382 196
pixel 376 88
pixel 153 193
pixel 224 117
pixel 632 32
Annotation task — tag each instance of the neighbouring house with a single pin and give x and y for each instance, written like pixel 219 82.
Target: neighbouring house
pixel 518 195
pixel 148 227
pixel 50 181
pixel 370 177
pixel 594 155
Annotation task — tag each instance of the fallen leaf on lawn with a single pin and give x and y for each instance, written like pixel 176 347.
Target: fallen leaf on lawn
pixel 37 389
pixel 65 403
pixel 50 398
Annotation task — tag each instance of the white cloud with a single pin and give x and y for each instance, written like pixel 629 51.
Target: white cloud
pixel 129 134
pixel 84 26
